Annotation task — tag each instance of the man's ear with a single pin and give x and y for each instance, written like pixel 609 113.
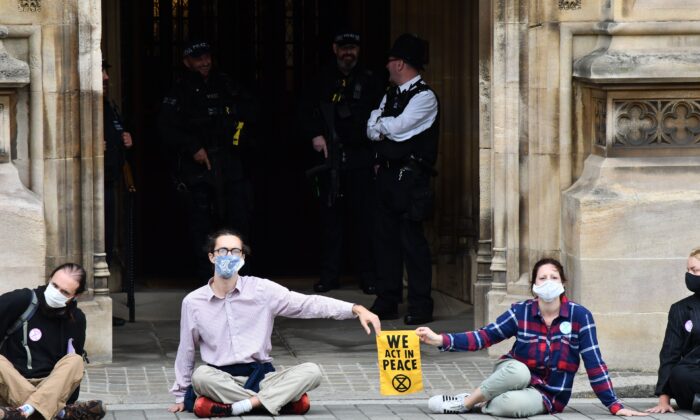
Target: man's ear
pixel 186 63
pixel 211 257
pixel 335 48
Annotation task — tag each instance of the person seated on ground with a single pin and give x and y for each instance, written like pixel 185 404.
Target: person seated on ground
pixel 679 368
pixel 535 377
pixel 231 319
pixel 42 334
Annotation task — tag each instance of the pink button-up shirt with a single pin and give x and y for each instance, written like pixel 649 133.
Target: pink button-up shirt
pixel 237 328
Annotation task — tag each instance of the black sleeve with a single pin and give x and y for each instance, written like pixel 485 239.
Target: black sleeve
pixel 79 332
pixel 308 113
pixel 172 124
pixel 12 306
pixel 672 347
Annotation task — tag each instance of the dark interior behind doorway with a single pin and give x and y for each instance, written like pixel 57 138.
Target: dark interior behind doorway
pixel 274 46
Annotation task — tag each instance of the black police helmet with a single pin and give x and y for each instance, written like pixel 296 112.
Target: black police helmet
pixel 411 49
pixel 346 37
pixel 195 49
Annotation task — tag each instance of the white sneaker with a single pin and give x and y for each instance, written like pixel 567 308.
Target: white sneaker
pixel 448 404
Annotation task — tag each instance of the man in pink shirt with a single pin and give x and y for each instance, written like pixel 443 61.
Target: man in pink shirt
pixel 231 319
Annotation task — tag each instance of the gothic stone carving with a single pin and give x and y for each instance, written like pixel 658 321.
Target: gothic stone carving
pixel 29 5
pixel 569 4
pixel 656 123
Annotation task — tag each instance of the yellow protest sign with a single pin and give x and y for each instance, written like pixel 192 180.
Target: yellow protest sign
pixel 399 363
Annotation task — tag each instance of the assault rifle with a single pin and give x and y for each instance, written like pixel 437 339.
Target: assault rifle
pixel 335 154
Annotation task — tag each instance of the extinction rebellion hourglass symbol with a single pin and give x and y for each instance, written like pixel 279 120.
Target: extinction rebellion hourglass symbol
pixel 401 383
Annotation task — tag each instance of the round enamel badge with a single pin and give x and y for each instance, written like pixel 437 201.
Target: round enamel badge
pixel 565 327
pixel 35 334
pixel 689 325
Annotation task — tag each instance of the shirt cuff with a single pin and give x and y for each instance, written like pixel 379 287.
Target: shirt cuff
pixel 446 343
pixel 179 400
pixel 616 407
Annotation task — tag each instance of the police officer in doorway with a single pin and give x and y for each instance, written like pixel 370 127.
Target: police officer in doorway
pixel 405 131
pixel 206 125
pixel 333 116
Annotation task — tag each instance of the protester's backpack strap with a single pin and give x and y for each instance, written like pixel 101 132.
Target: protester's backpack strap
pixel 26 316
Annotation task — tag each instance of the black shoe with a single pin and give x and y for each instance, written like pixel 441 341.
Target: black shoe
pixel 118 322
pixel 85 410
pixel 321 287
pixel 385 314
pixel 369 289
pixel 417 319
pixel 696 404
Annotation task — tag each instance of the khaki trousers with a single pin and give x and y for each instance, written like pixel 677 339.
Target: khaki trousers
pixel 508 392
pixel 276 390
pixel 47 395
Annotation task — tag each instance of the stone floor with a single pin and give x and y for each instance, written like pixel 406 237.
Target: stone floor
pixel 135 385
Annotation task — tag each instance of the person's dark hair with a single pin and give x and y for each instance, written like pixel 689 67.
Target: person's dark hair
pixel 545 261
pixel 74 270
pixel 212 237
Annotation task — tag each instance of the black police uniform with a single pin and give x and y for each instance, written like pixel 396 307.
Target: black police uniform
pixel 218 115
pixel 347 207
pixel 679 368
pixel 113 162
pixel 404 201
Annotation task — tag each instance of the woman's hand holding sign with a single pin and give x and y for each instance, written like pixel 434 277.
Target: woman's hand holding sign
pixel 428 336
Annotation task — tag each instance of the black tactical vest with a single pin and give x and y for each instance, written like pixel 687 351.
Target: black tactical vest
pixel 424 145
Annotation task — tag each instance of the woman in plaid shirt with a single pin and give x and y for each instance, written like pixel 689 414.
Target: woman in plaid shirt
pixel 536 375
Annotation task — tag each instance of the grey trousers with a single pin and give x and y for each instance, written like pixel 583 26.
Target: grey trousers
pixel 508 392
pixel 276 390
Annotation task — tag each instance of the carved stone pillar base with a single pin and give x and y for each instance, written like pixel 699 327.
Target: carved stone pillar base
pixel 98 343
pixel 628 226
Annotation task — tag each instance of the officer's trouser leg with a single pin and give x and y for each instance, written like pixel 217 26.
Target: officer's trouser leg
pixel 47 395
pixel 238 206
pixel 359 198
pixel 387 245
pixel 199 215
pixel 508 391
pixel 276 390
pixel 684 383
pixel 416 253
pixel 331 240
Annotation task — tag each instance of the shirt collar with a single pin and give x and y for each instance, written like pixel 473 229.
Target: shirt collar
pixel 210 292
pixel 563 309
pixel 404 87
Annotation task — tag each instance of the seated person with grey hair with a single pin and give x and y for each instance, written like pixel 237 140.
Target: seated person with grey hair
pixel 230 318
pixel 41 350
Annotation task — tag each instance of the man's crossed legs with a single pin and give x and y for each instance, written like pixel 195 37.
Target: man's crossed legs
pixel 47 395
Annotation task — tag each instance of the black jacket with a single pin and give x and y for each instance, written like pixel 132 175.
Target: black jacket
pixel 353 97
pixel 49 332
pixel 206 114
pixel 678 342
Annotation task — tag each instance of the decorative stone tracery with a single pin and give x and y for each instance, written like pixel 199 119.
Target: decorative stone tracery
pixel 656 123
pixel 29 5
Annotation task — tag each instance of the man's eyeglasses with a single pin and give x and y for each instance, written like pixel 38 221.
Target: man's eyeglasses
pixel 225 251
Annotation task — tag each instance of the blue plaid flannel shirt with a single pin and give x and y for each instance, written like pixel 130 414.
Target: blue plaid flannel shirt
pixel 552 354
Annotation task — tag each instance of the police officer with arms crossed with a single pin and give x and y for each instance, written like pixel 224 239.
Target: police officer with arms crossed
pixel 41 363
pixel 338 104
pixel 205 124
pixel 231 320
pixel 405 129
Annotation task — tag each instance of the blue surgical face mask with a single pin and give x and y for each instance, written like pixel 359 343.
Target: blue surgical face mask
pixel 227 265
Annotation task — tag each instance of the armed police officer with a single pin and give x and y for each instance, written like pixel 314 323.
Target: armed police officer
pixel 206 124
pixel 334 115
pixel 405 129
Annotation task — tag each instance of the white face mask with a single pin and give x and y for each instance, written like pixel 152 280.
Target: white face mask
pixel 548 290
pixel 54 298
